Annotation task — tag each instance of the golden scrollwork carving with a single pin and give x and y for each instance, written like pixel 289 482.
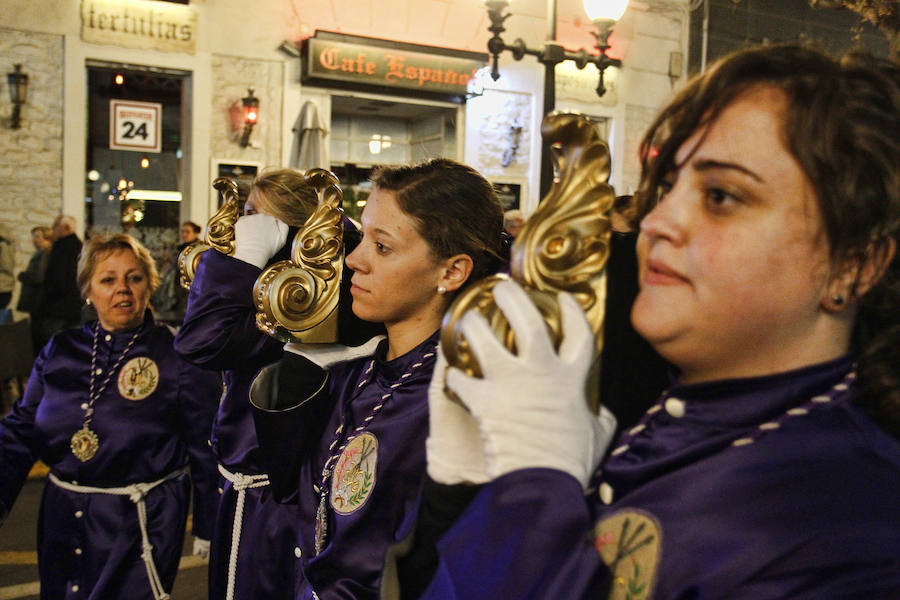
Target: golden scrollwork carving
pixel 297 300
pixel 564 245
pixel 188 260
pixel 219 232
pixel 220 229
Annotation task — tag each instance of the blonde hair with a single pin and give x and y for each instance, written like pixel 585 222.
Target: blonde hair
pixel 286 195
pixel 102 245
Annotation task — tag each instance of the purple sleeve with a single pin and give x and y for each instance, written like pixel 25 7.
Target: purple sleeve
pixel 19 448
pixel 219 330
pixel 526 535
pixel 198 392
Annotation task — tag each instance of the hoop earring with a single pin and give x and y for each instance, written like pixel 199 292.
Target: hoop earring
pixel 441 290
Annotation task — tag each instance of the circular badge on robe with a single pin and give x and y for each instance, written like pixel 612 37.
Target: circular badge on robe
pixel 353 478
pixel 629 543
pixel 138 378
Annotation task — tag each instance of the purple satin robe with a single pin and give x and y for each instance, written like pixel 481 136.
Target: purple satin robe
pixel 723 493
pixel 220 333
pixel 89 545
pixel 379 475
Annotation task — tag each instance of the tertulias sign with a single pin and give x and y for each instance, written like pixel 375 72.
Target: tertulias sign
pixel 140 24
pixel 368 62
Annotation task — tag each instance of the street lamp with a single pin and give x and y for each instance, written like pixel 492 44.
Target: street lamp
pixel 603 13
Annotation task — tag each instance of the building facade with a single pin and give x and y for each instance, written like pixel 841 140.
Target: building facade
pixel 196 61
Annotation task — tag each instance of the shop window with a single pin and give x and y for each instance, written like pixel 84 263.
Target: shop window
pixel 135 177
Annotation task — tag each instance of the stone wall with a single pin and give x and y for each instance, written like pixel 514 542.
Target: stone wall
pixel 31 157
pixel 494 116
pixel 231 76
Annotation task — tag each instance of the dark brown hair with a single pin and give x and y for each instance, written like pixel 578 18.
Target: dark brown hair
pixel 455 209
pixel 842 124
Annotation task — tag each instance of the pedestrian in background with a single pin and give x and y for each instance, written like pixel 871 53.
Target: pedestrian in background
pixel 60 303
pixel 32 280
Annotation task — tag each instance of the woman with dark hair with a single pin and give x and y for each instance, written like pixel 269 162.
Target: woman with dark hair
pixel 252 551
pixel 119 418
pixel 343 430
pixel 770 205
pixel 190 234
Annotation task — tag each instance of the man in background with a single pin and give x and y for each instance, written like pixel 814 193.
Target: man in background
pixel 7 264
pixel 60 306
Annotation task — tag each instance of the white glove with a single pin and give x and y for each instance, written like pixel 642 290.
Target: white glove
pixel 201 547
pixel 326 355
pixel 258 237
pixel 531 407
pixel 454 446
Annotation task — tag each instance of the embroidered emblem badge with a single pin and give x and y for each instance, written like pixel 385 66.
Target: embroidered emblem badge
pixel 354 474
pixel 629 543
pixel 138 378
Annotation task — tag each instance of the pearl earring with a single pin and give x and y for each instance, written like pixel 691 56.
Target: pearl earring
pixel 441 290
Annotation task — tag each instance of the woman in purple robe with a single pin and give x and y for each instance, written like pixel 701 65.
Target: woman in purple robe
pixel 342 428
pixel 769 277
pixel 252 553
pixel 120 420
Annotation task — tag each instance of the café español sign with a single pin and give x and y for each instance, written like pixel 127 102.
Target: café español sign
pixel 140 24
pixel 393 67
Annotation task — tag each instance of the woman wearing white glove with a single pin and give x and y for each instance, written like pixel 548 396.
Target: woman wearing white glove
pixel 531 406
pixel 252 548
pixel 344 429
pixel 529 410
pixel 769 277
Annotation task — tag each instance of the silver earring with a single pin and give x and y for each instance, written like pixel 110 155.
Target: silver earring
pixel 441 290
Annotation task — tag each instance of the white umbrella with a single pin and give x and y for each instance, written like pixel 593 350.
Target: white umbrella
pixel 308 148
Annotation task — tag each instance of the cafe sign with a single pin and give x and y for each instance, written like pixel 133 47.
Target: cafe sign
pixel 391 65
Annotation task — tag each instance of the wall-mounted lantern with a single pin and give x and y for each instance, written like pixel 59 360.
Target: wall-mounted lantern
pixel 18 90
pixel 251 115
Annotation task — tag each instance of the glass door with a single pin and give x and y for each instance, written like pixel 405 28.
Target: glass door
pixel 135 155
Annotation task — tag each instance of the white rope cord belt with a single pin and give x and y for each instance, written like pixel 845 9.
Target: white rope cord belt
pixel 240 482
pixel 136 492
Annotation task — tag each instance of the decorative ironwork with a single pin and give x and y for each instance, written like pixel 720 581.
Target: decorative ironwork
pixel 564 245
pixel 297 299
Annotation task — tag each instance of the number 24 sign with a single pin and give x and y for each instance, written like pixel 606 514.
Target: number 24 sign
pixel 135 125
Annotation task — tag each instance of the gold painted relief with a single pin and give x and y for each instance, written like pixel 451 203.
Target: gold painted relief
pixel 219 232
pixel 564 246
pixel 297 300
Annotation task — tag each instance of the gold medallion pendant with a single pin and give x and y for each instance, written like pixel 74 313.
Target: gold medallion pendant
pixel 84 444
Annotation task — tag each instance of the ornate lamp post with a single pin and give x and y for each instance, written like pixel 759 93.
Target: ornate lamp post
pixel 603 13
